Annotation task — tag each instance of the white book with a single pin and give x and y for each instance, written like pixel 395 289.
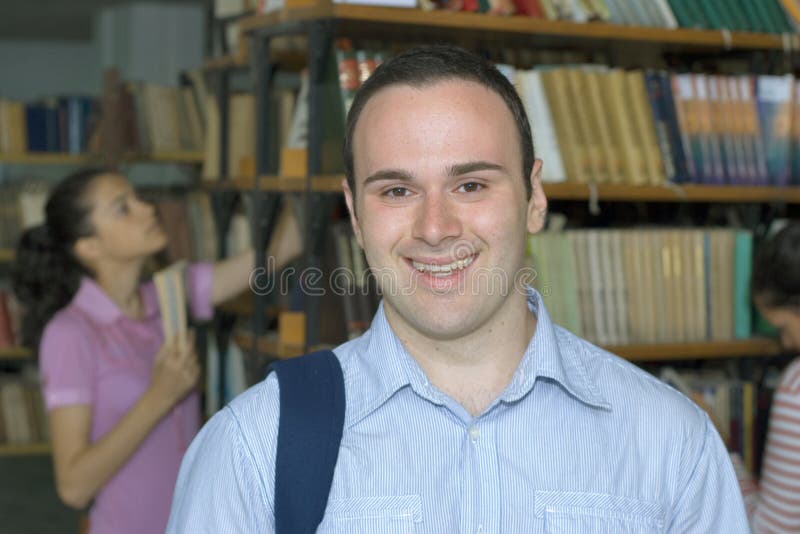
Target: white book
pixel 666 14
pixel 545 141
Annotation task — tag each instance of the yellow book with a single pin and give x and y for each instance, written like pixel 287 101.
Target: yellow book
pixel 600 118
pixel 555 86
pixel 618 99
pixel 645 128
pixel 587 130
pixel 171 293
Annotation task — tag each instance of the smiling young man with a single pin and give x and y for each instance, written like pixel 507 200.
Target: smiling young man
pixel 467 409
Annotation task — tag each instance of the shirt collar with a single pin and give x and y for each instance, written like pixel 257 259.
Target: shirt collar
pixel 95 303
pixel 386 366
pixel 554 356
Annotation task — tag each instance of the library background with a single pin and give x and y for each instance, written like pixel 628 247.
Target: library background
pixel 669 130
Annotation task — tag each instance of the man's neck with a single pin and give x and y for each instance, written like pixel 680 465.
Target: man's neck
pixel 474 369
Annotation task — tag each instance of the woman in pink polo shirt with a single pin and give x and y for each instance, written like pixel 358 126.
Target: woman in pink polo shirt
pixel 122 401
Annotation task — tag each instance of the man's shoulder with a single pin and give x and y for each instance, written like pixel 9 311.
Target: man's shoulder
pixel 631 391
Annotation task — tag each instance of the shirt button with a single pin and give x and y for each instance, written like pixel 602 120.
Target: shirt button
pixel 474 433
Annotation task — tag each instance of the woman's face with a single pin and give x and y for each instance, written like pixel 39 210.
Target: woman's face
pixel 786 320
pixel 125 227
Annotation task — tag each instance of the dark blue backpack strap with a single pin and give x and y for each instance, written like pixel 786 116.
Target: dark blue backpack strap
pixel 309 433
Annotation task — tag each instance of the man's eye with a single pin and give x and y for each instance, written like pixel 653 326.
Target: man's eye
pixel 471 187
pixel 396 192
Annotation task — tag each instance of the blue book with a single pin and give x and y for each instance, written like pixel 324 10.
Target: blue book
pixel 76 112
pixel 655 98
pixel 36 121
pixel 774 104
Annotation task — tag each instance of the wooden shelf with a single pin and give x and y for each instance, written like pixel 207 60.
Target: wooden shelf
pixel 168 157
pixel 701 350
pixel 15 353
pixel 44 158
pixel 351 20
pixel 7 255
pixel 268 344
pixel 24 449
pixel 231 61
pixel 57 158
pixel 673 193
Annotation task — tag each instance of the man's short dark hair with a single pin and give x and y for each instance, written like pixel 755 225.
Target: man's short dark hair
pixel 424 66
pixel 776 269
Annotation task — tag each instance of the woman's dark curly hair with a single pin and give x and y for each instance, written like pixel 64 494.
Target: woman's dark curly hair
pixel 776 269
pixel 46 274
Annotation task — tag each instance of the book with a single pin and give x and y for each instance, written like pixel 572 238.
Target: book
pixel 171 292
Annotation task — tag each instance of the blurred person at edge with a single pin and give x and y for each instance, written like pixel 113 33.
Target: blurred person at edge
pixel 773 503
pixel 122 400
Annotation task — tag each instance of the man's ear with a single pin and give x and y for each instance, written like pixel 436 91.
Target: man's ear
pixel 351 208
pixel 537 205
pixel 87 250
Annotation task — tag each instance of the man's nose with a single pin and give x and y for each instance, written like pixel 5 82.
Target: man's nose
pixel 436 220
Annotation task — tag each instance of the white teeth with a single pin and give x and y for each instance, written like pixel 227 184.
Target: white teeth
pixel 443 270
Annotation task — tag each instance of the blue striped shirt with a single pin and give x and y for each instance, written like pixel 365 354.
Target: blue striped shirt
pixel 579 441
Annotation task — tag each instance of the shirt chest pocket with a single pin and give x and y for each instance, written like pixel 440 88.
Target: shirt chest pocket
pixel 398 514
pixel 595 513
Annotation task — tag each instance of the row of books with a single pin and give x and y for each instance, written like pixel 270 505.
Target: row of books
pixel 23 418
pixel 597 124
pixel 591 123
pixel 617 287
pixel 59 124
pixel 167 118
pixel 767 16
pixel 154 118
pixel 739 408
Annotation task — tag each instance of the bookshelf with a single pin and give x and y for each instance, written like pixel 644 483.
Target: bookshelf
pixel 322 21
pixel 398 22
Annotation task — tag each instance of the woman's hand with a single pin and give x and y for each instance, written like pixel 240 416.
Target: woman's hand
pixel 176 370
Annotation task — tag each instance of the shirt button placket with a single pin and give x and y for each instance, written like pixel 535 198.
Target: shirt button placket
pixel 474 433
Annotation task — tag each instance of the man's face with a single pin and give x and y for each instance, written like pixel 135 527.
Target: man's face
pixel 440 205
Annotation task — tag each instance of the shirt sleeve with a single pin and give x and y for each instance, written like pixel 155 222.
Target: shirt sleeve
pixel 710 500
pixel 226 479
pixel 198 290
pixel 66 363
pixel 778 507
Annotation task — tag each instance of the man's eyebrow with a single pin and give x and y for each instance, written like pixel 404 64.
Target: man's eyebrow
pixel 460 169
pixel 389 174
